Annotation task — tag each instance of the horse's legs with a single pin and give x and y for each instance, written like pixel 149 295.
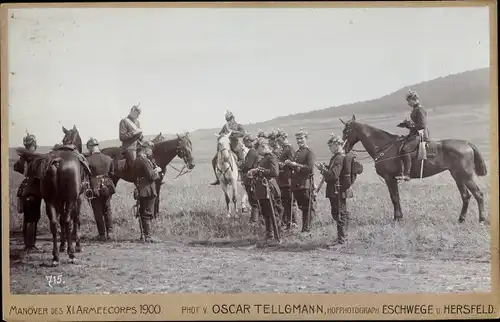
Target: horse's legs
pixel 464 193
pixel 234 189
pixel 478 195
pixel 76 225
pixel 69 226
pixel 52 214
pixel 62 246
pixel 392 185
pixel 226 196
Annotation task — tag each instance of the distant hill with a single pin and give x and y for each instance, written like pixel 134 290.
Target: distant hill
pixel 466 88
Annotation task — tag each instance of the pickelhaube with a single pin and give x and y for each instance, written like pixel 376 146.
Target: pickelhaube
pixel 301 134
pixel 249 138
pixel 411 94
pixel 229 115
pixel 262 141
pixel 281 134
pixel 92 142
pixel 261 134
pixel 272 136
pixel 335 139
pixel 29 139
pixel 136 108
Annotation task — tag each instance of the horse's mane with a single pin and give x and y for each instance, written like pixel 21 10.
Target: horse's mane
pixel 376 129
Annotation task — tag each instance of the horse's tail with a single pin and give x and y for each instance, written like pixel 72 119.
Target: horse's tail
pixel 479 164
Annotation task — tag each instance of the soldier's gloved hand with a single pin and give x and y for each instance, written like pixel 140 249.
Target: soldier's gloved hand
pixel 158 169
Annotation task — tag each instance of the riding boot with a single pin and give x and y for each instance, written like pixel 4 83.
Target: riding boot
pixel 146 226
pixel 109 226
pixel 269 227
pixel 406 167
pixel 214 164
pixel 254 215
pixel 305 220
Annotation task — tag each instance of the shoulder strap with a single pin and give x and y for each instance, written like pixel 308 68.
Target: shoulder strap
pixel 132 124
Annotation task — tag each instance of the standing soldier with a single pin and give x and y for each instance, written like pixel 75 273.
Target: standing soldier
pixel 285 179
pixel 302 185
pixel 131 135
pixel 251 161
pixel 239 131
pixel 417 126
pixel 276 150
pixel 335 175
pixel 29 197
pixel 147 174
pixel 266 187
pixel 103 188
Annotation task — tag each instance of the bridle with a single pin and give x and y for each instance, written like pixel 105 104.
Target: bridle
pixel 181 153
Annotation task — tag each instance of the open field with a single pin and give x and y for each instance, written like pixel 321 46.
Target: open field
pixel 206 252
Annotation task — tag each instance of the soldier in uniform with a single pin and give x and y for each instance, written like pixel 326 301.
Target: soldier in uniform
pixel 131 135
pixel 103 189
pixel 266 187
pixel 252 159
pixel 231 124
pixel 29 197
pixel 147 174
pixel 335 175
pixel 418 123
pixel 302 179
pixel 287 152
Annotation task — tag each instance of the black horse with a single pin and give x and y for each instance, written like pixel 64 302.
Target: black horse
pixel 163 153
pixel 461 158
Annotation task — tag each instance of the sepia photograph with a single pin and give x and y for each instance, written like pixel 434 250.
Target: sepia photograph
pixel 293 150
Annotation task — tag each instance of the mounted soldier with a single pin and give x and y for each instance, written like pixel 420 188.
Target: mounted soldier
pixel 130 134
pixel 147 174
pixel 102 188
pixel 29 197
pixel 252 159
pixel 287 152
pixel 237 132
pixel 266 187
pixel 337 177
pixel 418 131
pixel 302 179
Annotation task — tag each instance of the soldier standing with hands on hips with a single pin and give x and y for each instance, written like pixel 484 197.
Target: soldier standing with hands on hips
pixel 147 173
pixel 103 188
pixel 302 185
pixel 266 187
pixel 337 178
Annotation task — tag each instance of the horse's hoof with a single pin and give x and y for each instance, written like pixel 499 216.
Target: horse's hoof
pixel 55 263
pixel 78 249
pixel 461 220
pixel 483 221
pixel 72 260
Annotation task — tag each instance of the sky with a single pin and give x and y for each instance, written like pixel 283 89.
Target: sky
pixel 187 66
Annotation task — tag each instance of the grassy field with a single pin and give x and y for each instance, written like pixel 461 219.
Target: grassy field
pixel 206 252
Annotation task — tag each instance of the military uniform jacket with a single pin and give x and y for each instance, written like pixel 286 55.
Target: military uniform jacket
pixel 251 161
pixel 146 177
pixel 302 175
pixel 127 136
pixel 234 127
pixel 285 175
pixel 333 174
pixel 419 118
pixel 31 182
pixel 269 164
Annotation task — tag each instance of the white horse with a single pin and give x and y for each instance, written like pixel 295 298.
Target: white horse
pixel 228 173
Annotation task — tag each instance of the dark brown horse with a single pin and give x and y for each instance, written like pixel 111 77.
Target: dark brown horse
pixel 63 179
pixel 163 154
pixel 461 158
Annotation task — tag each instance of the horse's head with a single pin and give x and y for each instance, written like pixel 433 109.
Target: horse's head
pixel 185 150
pixel 350 134
pixel 72 138
pixel 224 144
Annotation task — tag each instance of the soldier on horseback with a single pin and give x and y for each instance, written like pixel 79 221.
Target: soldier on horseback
pixel 239 131
pixel 418 130
pixel 29 197
pixel 131 135
pixel 103 189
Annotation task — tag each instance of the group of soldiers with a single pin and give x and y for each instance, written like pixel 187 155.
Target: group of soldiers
pixel 277 177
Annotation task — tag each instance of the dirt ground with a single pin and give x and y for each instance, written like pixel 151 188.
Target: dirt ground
pixel 176 268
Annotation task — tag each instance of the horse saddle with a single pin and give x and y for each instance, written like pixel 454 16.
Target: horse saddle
pixel 81 157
